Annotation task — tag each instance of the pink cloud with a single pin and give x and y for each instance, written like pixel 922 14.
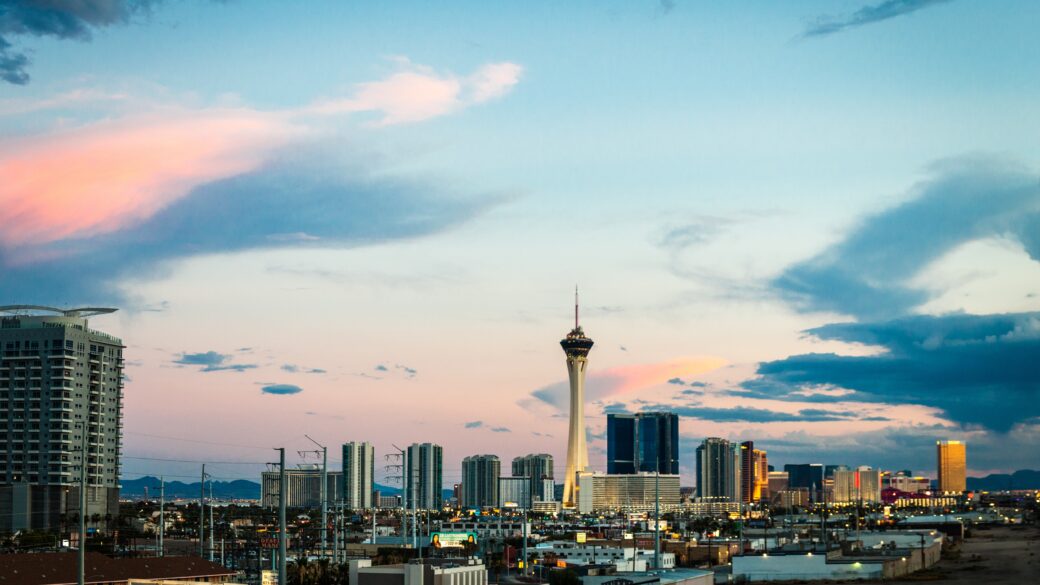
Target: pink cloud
pixel 626 379
pixel 102 177
pixel 108 175
pixel 418 93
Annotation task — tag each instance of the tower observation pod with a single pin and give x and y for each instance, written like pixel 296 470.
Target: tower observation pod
pixel 577 347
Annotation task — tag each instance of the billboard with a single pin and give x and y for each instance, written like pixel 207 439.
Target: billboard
pixel 452 539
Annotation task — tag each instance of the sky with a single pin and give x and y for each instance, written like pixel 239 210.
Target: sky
pixel 814 225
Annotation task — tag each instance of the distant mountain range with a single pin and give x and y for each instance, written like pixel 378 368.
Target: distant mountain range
pixel 239 489
pixel 243 489
pixel 1023 479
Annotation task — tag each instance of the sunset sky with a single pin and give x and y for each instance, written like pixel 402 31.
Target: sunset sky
pixel 811 224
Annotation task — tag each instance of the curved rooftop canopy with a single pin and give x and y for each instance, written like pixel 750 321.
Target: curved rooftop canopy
pixel 37 309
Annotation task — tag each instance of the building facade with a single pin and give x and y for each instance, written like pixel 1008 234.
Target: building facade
pixel 302 487
pixel 358 473
pixel 639 492
pixel 480 474
pixel 61 391
pixel 537 468
pixel 952 462
pixel 718 470
pixel 514 491
pixel 857 485
pixel 424 476
pixel 906 483
pixel 806 475
pixel 761 483
pixel 643 442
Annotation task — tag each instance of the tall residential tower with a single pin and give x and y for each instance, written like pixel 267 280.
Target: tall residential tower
pixel 480 474
pixel 61 391
pixel 424 476
pixel 358 470
pixel 577 347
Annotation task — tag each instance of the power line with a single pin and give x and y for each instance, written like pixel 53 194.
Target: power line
pixel 195 461
pixel 195 440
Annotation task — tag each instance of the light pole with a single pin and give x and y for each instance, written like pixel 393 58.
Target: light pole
pixel 657 515
pixel 162 515
pixel 281 517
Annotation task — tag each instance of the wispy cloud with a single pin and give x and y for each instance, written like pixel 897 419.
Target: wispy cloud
pixel 867 15
pixel 476 424
pixel 417 93
pixel 758 415
pixel 139 189
pixel 407 371
pixel 867 274
pixel 295 369
pixel 212 361
pixel 500 430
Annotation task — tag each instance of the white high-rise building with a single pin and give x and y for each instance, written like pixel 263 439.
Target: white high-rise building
pixel 358 471
pixel 302 487
pixel 577 347
pixel 859 485
pixel 424 476
pixel 61 391
pixel 480 475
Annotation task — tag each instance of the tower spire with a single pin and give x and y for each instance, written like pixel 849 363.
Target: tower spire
pixel 575 306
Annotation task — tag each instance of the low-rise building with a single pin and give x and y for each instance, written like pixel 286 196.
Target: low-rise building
pixel 639 492
pixel 428 572
pixel 488 527
pixel 61 569
pixel 623 558
pixel 302 489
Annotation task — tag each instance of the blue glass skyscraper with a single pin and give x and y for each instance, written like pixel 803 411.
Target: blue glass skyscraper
pixel 643 442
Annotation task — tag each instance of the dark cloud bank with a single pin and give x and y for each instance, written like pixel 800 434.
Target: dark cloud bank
pixel 274 207
pixel 979 369
pixel 59 19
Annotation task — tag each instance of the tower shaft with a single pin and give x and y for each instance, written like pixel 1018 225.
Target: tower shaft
pixel 577 450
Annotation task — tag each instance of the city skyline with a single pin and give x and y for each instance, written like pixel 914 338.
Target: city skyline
pixel 790 226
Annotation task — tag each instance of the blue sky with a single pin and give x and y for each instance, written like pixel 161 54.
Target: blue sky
pixel 823 214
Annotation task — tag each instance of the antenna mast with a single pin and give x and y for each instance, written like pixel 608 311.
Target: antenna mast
pixel 575 306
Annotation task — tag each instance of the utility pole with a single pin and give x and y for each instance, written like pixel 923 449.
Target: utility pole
pixel 162 515
pixel 401 458
pixel 212 526
pixel 281 517
pixel 324 494
pixel 81 570
pixel 202 513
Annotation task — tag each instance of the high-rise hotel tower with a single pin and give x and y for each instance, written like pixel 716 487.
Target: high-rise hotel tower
pixel 61 390
pixel 577 347
pixel 952 462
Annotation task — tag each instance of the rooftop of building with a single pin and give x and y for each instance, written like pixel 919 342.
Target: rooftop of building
pixel 61 568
